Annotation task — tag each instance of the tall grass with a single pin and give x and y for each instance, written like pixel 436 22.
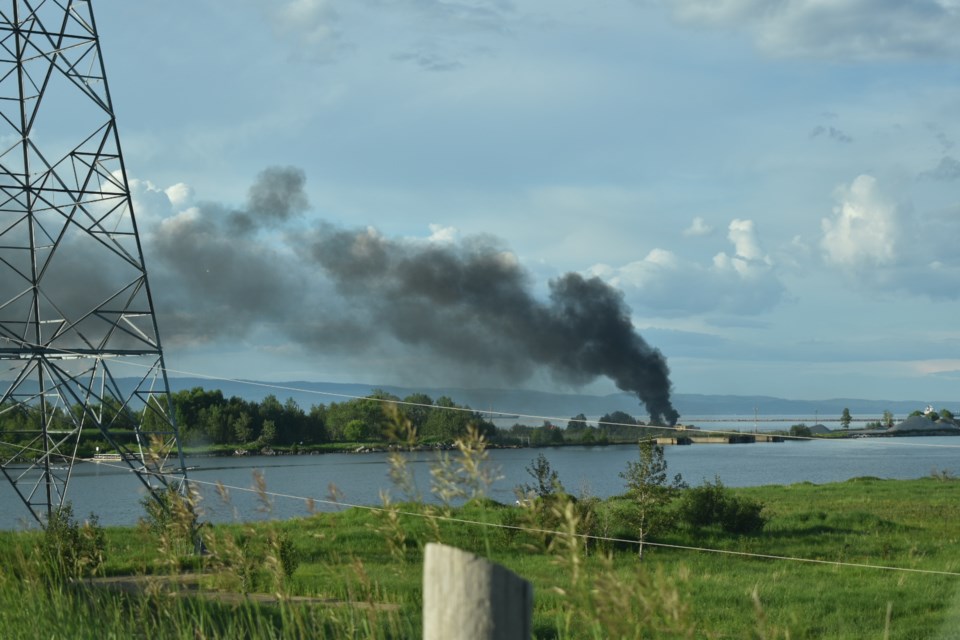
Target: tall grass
pixel 356 573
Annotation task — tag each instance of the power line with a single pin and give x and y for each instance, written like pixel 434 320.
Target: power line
pixel 583 536
pixel 502 413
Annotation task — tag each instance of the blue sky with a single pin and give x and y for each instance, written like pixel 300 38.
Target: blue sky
pixel 774 186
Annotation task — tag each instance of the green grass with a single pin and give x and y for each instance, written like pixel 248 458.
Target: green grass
pixel 356 561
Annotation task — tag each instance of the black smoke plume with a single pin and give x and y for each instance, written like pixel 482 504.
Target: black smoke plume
pixel 466 302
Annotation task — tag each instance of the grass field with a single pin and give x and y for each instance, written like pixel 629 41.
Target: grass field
pixel 357 573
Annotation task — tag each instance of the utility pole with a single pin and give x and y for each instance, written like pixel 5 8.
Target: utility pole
pixel 80 353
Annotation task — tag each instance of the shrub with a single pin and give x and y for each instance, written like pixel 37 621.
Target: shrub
pixel 712 504
pixel 70 549
pixel 171 516
pixel 546 480
pixel 800 431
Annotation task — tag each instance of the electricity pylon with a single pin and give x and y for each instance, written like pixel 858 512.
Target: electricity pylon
pixel 80 356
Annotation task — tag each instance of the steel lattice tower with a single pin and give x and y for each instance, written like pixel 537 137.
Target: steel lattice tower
pixel 80 354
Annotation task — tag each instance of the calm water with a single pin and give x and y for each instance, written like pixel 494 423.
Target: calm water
pixel 114 494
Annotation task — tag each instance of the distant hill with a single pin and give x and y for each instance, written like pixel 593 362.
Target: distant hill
pixel 564 405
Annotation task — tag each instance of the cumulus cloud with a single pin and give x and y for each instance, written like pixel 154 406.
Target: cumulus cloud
pixel 747 259
pixel 847 29
pixel 743 282
pixel 152 203
pixel 698 228
pixel 179 194
pixel 864 229
pixel 887 247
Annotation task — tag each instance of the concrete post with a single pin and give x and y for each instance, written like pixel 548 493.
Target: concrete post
pixel 465 597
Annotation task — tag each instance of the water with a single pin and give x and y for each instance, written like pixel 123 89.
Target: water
pixel 114 493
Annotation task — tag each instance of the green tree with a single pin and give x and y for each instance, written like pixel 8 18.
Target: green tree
pixel 800 431
pixel 154 414
pixel 648 487
pixel 189 406
pixel 271 409
pixel 355 431
pixel 577 423
pixel 546 435
pixel 268 433
pixel 448 421
pixel 243 428
pixel 417 409
pixel 618 418
pixel 317 424
pixel 214 424
pixel 620 425
pixel 368 411
pixel 946 414
pixel 292 424
pixel 887 420
pixel 546 480
pixel 845 418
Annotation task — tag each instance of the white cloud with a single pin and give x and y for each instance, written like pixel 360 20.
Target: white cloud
pixel 857 29
pixel 440 234
pixel 748 259
pixel 152 203
pixel 864 229
pixel 180 195
pixel 312 22
pixel 741 283
pixel 698 228
pixel 886 247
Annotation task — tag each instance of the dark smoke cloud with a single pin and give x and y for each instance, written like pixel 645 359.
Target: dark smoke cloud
pixel 277 196
pixel 474 301
pixel 215 274
pixel 469 302
pixel 82 281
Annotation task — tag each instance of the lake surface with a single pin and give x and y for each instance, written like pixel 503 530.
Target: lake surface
pixel 114 494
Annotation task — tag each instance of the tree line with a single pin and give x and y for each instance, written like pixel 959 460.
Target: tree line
pixel 207 418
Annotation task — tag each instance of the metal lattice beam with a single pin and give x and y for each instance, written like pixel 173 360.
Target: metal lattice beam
pixel 80 354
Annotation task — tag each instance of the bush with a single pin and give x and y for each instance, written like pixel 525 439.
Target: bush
pixel 547 482
pixel 800 431
pixel 171 517
pixel 715 505
pixel 72 550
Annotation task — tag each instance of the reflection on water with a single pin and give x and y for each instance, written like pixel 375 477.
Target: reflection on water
pixel 114 494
